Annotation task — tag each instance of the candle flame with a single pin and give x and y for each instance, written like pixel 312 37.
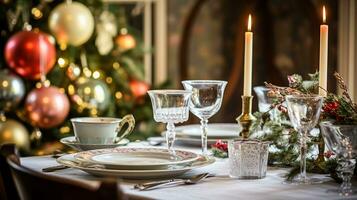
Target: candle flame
pixel 324 14
pixel 249 22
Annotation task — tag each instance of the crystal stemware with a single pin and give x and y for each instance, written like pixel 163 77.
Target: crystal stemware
pixel 206 100
pixel 340 145
pixel 304 112
pixel 265 102
pixel 170 106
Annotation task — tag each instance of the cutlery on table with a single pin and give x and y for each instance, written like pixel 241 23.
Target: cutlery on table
pixel 156 184
pixel 54 168
pixel 57 153
pixel 69 163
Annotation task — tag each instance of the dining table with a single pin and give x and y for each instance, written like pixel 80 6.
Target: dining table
pixel 218 186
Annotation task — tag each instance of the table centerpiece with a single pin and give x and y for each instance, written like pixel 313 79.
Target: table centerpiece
pixel 337 108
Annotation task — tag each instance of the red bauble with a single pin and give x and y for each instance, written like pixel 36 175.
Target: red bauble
pixel 46 107
pixel 23 52
pixel 138 88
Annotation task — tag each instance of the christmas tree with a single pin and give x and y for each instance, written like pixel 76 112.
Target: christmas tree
pixel 64 59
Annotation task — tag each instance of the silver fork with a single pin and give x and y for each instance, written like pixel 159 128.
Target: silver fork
pixel 156 184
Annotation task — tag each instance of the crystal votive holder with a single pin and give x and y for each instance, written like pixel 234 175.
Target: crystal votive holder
pixel 248 159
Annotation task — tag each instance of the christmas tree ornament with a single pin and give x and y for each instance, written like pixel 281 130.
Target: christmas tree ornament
pixel 90 94
pixel 12 131
pixel 13 16
pixel 73 71
pixel 71 23
pixel 106 30
pixel 36 136
pixel 125 42
pixel 104 43
pixel 30 54
pixel 12 90
pixel 46 107
pixel 138 88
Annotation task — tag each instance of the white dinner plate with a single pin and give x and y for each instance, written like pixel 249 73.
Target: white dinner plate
pixel 73 143
pixel 69 161
pixel 214 131
pixel 191 134
pixel 136 158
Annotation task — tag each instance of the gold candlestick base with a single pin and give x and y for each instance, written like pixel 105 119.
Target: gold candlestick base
pixel 245 120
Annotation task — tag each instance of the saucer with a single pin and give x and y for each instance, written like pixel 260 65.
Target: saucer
pixel 73 143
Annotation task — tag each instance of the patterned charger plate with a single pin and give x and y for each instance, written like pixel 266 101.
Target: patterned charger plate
pixel 100 170
pixel 136 158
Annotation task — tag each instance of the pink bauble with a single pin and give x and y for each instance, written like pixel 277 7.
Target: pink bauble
pixel 46 107
pixel 27 52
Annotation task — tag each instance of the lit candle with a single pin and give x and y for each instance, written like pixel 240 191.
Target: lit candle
pixel 248 55
pixel 323 55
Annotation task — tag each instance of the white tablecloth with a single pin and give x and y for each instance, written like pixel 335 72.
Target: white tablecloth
pixel 216 188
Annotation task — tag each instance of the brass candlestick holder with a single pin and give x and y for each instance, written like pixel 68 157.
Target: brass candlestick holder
pixel 245 120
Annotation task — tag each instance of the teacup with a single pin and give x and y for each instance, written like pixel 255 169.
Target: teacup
pixel 101 130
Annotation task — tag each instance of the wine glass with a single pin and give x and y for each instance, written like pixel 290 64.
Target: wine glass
pixel 264 102
pixel 206 100
pixel 304 112
pixel 170 106
pixel 341 145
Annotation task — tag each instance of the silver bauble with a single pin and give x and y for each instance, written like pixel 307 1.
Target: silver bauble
pixel 90 94
pixel 12 90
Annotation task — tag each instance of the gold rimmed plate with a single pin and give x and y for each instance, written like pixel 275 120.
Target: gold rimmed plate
pixel 99 170
pixel 137 158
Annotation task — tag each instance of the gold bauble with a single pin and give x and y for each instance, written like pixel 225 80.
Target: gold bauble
pixel 12 131
pixel 125 42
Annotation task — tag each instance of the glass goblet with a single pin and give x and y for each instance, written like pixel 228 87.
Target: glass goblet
pixel 264 101
pixel 304 112
pixel 170 106
pixel 340 145
pixel 206 100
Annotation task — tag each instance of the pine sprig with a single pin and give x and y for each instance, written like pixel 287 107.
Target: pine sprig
pixel 341 83
pixel 339 107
